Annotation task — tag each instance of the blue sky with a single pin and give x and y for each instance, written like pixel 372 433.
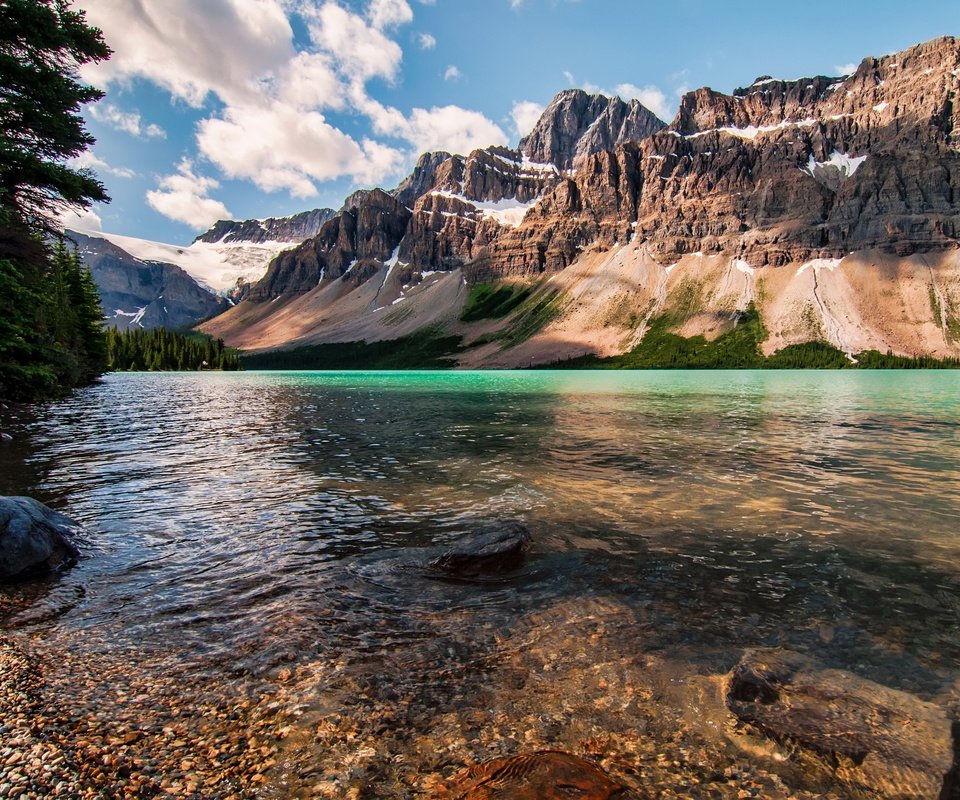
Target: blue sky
pixel 256 108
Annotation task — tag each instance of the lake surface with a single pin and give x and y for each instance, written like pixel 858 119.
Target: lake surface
pixel 260 540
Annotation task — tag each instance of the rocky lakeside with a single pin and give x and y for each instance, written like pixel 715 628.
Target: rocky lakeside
pixel 82 726
pixel 573 695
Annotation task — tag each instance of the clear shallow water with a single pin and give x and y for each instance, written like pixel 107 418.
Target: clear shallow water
pixel 240 524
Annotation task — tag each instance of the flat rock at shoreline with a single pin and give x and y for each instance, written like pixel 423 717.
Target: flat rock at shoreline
pixel 882 741
pixel 33 538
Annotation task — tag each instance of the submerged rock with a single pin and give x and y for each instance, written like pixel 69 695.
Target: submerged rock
pixel 495 549
pixel 33 538
pixel 883 742
pixel 544 775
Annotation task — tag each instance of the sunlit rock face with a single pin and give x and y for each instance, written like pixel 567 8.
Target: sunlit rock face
pixel 829 203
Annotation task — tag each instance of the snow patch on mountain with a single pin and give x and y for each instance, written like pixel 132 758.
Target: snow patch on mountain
pixel 215 266
pixel 508 212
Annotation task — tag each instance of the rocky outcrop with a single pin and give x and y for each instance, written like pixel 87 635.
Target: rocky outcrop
pixel 499 548
pixel 780 172
pixel 144 294
pixel 350 247
pixel 34 539
pixel 576 125
pixel 460 205
pixel 881 741
pixel 295 229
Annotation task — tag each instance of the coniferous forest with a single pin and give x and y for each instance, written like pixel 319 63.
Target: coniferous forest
pixel 51 335
pixel 163 350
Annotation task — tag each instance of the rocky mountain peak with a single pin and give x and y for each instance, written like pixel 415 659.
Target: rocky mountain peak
pixel 293 229
pixel 422 179
pixel 576 125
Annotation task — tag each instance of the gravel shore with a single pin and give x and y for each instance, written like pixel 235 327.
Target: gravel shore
pixel 96 724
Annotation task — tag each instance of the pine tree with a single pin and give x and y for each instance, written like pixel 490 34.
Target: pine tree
pixel 51 336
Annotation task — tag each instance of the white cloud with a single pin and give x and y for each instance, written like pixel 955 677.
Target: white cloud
pixel 88 160
pixel 292 149
pixel 183 197
pixel 525 115
pixel 127 121
pixel 387 13
pixel 845 69
pixel 427 41
pixel 649 95
pixel 191 49
pixel 450 128
pixel 453 129
pixel 359 51
pixel 80 219
pixel 452 73
pixel 271 125
pixel 309 81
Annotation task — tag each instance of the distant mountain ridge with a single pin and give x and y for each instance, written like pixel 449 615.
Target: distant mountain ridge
pixel 295 228
pixel 144 294
pixel 150 284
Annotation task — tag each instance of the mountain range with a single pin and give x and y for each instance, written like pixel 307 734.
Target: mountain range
pixel 827 204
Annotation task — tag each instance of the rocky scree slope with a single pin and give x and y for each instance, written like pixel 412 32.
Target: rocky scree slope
pixel 830 203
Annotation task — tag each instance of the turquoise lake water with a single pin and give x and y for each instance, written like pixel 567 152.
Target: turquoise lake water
pixel 246 523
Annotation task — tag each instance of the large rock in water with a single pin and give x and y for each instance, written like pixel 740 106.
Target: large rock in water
pixel 544 775
pixel 33 538
pixel 882 742
pixel 500 548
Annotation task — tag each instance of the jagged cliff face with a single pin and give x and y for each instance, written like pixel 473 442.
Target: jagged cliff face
pixel 748 188
pixel 293 229
pixel 144 294
pixel 352 246
pixel 780 172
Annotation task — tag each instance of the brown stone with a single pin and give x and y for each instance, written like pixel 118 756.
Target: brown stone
pixel 543 775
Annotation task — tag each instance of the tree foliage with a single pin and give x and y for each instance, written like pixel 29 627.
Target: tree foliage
pixel 43 43
pixel 162 350
pixel 51 335
pixel 51 325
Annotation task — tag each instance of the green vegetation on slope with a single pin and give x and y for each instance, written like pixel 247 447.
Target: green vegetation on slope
pixel 739 348
pixel 162 350
pixel 493 301
pixel 808 355
pixel 429 348
pixel 874 359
